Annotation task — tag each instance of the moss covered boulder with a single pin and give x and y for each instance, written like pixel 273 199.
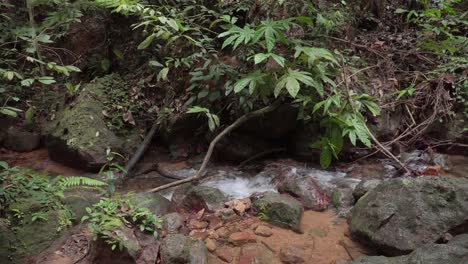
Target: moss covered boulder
pixel 400 215
pixel 30 230
pixel 80 134
pixel 455 251
pixel 279 209
pixel 179 249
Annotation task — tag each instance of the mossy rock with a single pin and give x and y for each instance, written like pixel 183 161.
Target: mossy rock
pixel 29 239
pixel 195 197
pixel 79 136
pixel 280 210
pixel 400 215
pixel 155 202
pixel 179 249
pixel 454 252
pixel 77 203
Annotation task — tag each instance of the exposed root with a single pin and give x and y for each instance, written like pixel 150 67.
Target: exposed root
pixel 227 130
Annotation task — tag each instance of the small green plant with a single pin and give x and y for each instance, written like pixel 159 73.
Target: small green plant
pixel 110 214
pixel 441 25
pixel 72 89
pixel 110 169
pixel 407 91
pixel 20 184
pixel 213 120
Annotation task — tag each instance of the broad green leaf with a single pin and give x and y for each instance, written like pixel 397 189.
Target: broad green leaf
pixel 279 59
pixel 145 44
pixel 173 24
pixel 325 157
pixel 260 57
pixel 293 86
pixel 27 82
pixel 46 80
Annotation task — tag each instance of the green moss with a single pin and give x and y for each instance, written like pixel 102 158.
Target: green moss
pixel 336 199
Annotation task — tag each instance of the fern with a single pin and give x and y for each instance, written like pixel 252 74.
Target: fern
pixel 78 181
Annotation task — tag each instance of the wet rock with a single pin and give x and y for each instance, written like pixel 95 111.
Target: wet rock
pixel 194 197
pixel 401 215
pixel 79 201
pixel 257 254
pixel 198 253
pixel 264 231
pixel 365 186
pixel 29 239
pixel 129 240
pixel 372 170
pixel 420 161
pixel 211 244
pixel 455 251
pixel 172 222
pixel 343 200
pixel 179 249
pixel 227 254
pixel 154 202
pixel 79 136
pixel 20 140
pixel 305 188
pixel 226 214
pixel 196 224
pixel 240 238
pixel 292 254
pixel 279 209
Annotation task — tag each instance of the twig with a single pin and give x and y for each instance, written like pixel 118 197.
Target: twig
pixel 376 141
pixel 140 151
pixel 213 143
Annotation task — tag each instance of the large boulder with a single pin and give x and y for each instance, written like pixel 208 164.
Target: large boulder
pixel 79 136
pixel 401 215
pixel 27 237
pixel 305 188
pixel 278 209
pixel 179 249
pixel 455 251
pixel 195 197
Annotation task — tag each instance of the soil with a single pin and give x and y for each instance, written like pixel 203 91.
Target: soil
pixel 325 238
pixel 38 160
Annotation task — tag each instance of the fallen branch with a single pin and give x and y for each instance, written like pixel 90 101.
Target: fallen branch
pixel 140 151
pixel 213 143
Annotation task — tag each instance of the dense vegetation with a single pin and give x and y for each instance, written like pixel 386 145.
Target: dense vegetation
pixel 344 65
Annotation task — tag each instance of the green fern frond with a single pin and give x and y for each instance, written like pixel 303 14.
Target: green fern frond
pixel 78 181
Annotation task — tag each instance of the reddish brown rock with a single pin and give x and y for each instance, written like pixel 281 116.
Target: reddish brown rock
pixel 196 224
pixel 226 254
pixel 241 238
pixel 210 244
pixel 292 254
pixel 240 206
pixel 264 231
